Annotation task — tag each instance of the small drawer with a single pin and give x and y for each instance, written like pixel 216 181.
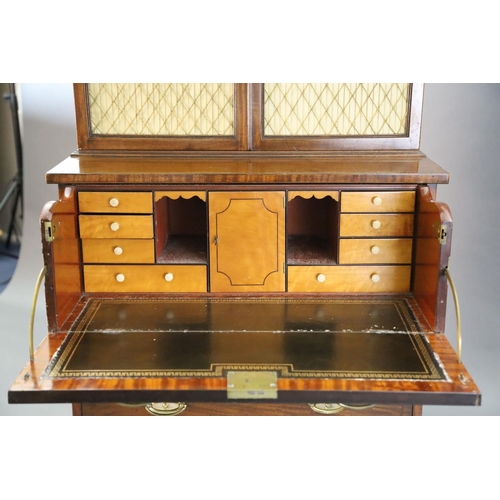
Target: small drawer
pixel 115 202
pixel 373 251
pixel 116 226
pixel 378 202
pixel 376 225
pixel 118 251
pixel 349 279
pixel 132 279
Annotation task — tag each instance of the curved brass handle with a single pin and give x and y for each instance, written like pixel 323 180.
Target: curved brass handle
pixel 326 408
pixel 42 274
pixel 356 407
pixel 457 313
pixel 165 409
pixel 332 408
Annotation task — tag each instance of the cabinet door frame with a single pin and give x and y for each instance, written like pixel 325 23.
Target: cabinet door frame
pixel 410 140
pixel 87 141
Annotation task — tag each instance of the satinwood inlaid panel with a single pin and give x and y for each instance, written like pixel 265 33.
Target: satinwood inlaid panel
pixel 247 241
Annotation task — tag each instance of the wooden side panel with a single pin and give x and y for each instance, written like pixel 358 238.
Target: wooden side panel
pixel 63 282
pixel 432 252
pixel 247 241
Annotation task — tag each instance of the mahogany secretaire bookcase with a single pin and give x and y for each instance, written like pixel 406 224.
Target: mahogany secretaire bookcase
pixel 233 249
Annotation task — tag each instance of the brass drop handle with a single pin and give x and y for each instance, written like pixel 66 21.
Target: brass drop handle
pixel 332 408
pixel 326 408
pixel 165 409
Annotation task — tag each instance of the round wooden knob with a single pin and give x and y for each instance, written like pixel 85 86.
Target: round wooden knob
pixel 377 201
pixel 114 202
pixel 321 278
pixel 120 278
pixel 114 226
pixel 375 277
pixel 169 277
pixel 118 250
pixel 375 250
pixel 376 224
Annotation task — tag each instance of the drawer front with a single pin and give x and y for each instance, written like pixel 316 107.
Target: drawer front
pixel 242 409
pixel 124 278
pixel 376 225
pixel 349 279
pixel 373 251
pixel 116 226
pixel 399 201
pixel 115 202
pixel 118 251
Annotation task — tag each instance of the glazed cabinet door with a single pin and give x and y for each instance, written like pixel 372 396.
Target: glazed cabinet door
pixel 247 241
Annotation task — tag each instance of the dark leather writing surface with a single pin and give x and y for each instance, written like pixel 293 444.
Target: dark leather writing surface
pixel 372 339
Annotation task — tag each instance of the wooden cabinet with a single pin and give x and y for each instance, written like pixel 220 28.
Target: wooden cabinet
pixel 246 265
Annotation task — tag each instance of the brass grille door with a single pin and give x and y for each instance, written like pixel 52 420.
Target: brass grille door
pixel 247 241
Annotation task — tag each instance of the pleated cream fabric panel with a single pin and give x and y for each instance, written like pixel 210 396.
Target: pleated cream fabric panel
pixel 152 109
pixel 335 109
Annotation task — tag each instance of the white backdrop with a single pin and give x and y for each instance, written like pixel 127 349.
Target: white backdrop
pixel 460 130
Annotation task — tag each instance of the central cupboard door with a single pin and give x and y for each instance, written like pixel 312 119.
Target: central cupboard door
pixel 247 241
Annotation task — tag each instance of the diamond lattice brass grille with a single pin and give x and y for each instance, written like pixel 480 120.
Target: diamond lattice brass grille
pixel 335 109
pixel 159 109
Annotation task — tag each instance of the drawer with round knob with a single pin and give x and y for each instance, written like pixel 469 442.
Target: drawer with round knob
pixel 114 251
pixel 378 201
pixel 349 279
pixel 144 279
pixel 376 225
pixel 115 202
pixel 375 251
pixel 116 226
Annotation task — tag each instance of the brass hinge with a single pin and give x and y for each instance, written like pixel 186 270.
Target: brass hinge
pixel 252 385
pixel 443 233
pixel 49 230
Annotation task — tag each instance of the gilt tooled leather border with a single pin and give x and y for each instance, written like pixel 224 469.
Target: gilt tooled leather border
pixel 429 367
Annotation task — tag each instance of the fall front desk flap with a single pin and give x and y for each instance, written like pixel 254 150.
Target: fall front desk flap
pixel 362 350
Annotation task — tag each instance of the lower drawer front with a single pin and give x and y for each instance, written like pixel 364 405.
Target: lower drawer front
pixel 243 409
pixel 164 278
pixel 373 251
pixel 114 251
pixel 349 279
